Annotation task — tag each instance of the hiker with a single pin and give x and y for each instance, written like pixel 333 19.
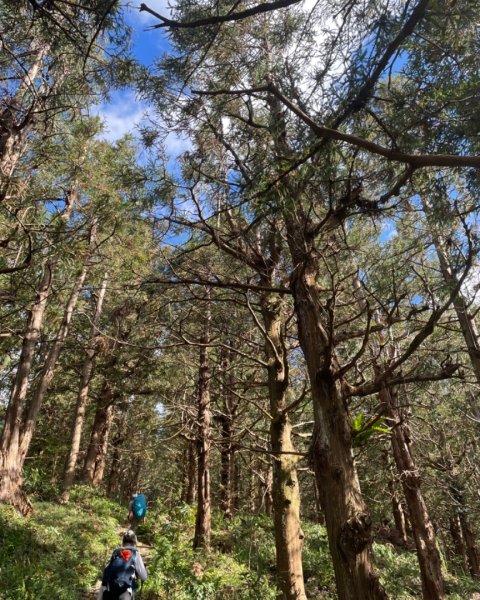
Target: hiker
pixel 126 566
pixel 137 509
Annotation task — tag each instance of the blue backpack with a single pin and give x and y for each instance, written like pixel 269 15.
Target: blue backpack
pixel 139 506
pixel 119 574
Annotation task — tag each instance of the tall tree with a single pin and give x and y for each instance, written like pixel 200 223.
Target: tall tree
pixel 268 103
pixel 82 397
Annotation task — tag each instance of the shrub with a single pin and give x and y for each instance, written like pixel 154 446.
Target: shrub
pixel 60 551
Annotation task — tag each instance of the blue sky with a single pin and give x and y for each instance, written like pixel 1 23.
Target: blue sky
pixel 123 112
pixel 147 44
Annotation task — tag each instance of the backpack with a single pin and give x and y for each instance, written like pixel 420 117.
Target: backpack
pixel 139 506
pixel 119 574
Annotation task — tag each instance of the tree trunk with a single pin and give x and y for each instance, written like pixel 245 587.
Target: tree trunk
pixel 10 454
pixel 422 528
pixel 101 457
pixel 114 475
pixel 82 396
pixel 227 447
pixel 469 545
pixel 48 369
pixel 457 539
pixel 16 120
pixel 133 479
pixel 113 483
pixel 252 487
pixel 99 436
pixel 319 516
pixel 268 491
pixel 285 485
pixel 347 520
pixel 20 420
pixel 204 420
pixel 227 454
pixel 137 474
pixel 466 320
pixel 237 485
pixel 473 555
pixel 398 513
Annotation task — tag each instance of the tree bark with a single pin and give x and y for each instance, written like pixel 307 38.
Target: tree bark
pixel 457 539
pixel 10 454
pixel 101 457
pixel 132 481
pixel 48 369
pixel 466 320
pixel 470 549
pixel 114 474
pixel 398 513
pixel 347 520
pixel 473 554
pixel 285 486
pixel 460 304
pixel 16 119
pixel 226 418
pixel 237 485
pixel 137 474
pixel 94 460
pixel 121 434
pixel 269 491
pixel 82 396
pixel 319 516
pixel 191 474
pixel 422 528
pixel 227 457
pixel 19 423
pixel 204 419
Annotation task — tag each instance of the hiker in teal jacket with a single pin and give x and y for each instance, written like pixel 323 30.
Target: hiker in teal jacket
pixel 137 509
pixel 122 573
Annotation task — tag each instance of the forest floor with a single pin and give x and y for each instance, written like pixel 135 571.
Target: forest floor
pixel 60 553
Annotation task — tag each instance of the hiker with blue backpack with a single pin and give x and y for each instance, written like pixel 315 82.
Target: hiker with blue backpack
pixel 121 575
pixel 137 509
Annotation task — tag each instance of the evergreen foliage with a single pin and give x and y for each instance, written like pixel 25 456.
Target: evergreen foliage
pixel 275 337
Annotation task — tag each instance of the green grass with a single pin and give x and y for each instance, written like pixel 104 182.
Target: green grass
pixel 399 574
pixel 59 553
pixel 237 566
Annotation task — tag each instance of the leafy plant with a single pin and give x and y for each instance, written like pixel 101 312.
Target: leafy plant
pixel 363 431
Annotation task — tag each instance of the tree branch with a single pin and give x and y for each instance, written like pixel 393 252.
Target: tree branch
pixel 215 20
pixel 373 387
pixel 415 161
pixel 221 284
pixel 365 91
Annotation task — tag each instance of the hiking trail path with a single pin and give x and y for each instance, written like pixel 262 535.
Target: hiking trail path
pixel 145 550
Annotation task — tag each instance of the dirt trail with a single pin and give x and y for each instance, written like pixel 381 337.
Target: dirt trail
pixel 144 549
pixel 146 552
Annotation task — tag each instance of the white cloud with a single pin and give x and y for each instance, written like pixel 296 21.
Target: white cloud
pixel 120 116
pixel 176 144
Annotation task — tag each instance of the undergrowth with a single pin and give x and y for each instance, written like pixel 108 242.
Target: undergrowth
pixel 56 553
pixel 59 553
